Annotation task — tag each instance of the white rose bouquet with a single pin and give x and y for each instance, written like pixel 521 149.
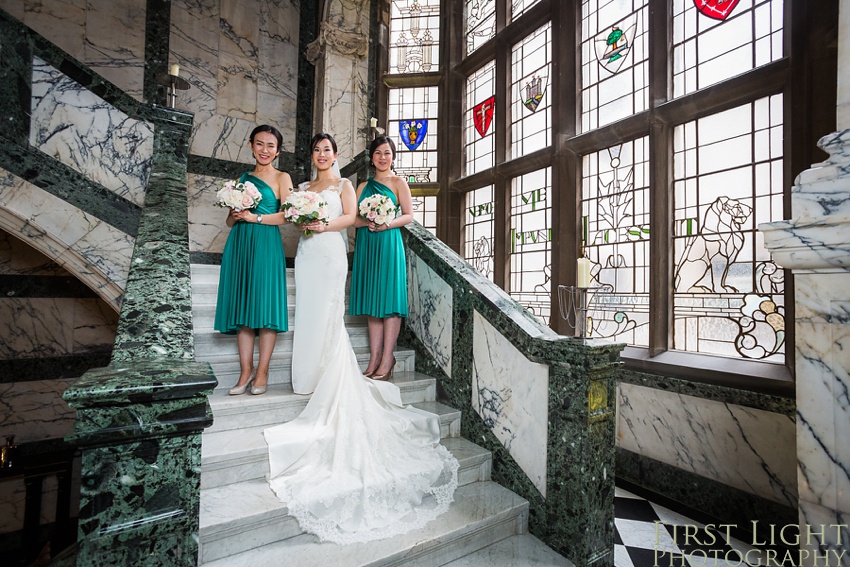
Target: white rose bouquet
pixel 378 209
pixel 304 207
pixel 238 196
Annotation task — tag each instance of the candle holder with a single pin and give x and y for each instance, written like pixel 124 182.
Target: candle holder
pixel 173 83
pixel 573 302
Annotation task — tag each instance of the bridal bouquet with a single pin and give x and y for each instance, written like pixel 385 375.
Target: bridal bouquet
pixel 378 209
pixel 305 207
pixel 238 196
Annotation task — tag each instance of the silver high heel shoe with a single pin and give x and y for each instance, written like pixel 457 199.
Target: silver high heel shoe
pixel 257 390
pixel 239 390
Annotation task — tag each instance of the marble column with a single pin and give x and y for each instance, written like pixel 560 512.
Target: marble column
pixel 815 244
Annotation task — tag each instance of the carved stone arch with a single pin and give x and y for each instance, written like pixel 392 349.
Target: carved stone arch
pixel 69 255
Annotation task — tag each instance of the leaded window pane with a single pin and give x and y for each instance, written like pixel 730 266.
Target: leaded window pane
pixel 518 7
pixel 615 217
pixel 414 36
pixel 414 110
pixel 715 40
pixel 478 119
pixel 530 242
pixel 478 230
pixel 425 212
pixel 479 23
pixel 531 109
pixel 728 295
pixel 614 66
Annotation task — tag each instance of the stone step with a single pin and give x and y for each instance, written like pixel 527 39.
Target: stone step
pixel 210 341
pixel 225 366
pixel 481 514
pixel 518 550
pixel 203 318
pixel 238 455
pixel 279 404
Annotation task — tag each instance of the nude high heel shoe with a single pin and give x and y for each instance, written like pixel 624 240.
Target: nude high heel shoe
pixel 239 390
pixel 257 390
pixel 386 376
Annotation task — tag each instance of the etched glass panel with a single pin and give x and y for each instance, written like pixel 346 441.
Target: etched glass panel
pixel 714 40
pixel 614 67
pixel 413 124
pixel 478 119
pixel 530 242
pixel 615 215
pixel 479 23
pixel 531 110
pixel 414 36
pixel 425 211
pixel 478 230
pixel 518 7
pixel 728 295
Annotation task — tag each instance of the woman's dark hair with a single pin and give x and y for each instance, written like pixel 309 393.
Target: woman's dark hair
pixel 271 130
pixel 322 136
pixel 379 141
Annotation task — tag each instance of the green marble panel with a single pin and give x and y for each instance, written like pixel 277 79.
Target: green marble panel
pixel 576 517
pixel 157 40
pixel 15 79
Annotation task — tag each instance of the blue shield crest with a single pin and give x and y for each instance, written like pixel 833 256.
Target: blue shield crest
pixel 412 132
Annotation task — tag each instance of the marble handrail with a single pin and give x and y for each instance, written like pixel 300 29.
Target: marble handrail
pixel 543 404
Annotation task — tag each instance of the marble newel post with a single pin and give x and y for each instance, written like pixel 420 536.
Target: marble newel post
pixel 139 420
pixel 815 244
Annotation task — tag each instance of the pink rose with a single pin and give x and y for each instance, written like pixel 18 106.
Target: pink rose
pixel 247 202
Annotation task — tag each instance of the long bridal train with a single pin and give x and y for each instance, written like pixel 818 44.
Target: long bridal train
pixel 356 465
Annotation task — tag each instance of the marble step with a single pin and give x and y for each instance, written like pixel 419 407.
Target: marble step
pixel 516 551
pixel 225 366
pixel 203 318
pixel 280 404
pixel 482 514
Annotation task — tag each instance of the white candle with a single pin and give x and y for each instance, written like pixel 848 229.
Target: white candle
pixel 373 122
pixel 583 272
pixel 174 70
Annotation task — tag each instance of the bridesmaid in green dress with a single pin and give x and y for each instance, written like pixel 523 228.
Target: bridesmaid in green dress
pixel 379 273
pixel 252 284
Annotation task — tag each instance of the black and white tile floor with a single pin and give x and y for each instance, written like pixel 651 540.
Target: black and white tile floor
pixel 641 540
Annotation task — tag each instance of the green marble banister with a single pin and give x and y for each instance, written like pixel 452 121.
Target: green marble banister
pixel 140 419
pixel 572 505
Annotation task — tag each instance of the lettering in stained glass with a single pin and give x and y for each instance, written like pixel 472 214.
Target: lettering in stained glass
pixel 478 230
pixel 530 242
pixel 616 233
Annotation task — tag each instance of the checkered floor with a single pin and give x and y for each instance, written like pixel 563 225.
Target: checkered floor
pixel 679 541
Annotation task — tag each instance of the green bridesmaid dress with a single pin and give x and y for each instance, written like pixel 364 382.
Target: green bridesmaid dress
pixel 379 273
pixel 252 284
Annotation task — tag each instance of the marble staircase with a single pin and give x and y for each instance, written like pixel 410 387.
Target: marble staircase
pixel 243 523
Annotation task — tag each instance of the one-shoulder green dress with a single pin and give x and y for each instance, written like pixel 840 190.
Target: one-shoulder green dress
pixel 379 271
pixel 252 284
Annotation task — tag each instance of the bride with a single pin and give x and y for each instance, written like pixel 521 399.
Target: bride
pixel 356 465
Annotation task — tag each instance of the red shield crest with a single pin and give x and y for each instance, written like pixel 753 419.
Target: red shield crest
pixel 482 115
pixel 716 9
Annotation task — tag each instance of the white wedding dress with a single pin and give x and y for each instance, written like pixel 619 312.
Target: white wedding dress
pixel 356 465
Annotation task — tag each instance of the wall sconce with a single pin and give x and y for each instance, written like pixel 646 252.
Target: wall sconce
pixel 173 82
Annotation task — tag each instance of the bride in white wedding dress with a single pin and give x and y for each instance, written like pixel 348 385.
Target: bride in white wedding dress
pixel 356 465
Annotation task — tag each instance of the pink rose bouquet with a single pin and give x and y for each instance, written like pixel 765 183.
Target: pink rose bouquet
pixel 304 207
pixel 378 209
pixel 238 196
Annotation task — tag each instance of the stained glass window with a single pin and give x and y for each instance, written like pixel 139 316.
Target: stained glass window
pixel 530 242
pixel 615 215
pixel 614 67
pixel 478 230
pixel 414 36
pixel 531 110
pixel 520 6
pixel 480 23
pixel 413 124
pixel 425 211
pixel 728 294
pixel 715 40
pixel 478 119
